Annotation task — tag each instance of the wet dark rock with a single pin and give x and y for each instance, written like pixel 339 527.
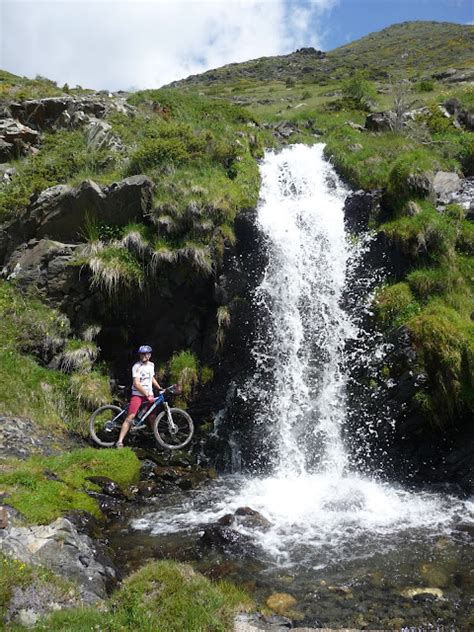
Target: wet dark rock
pixel 146 489
pixel 84 522
pixel 226 520
pixel 107 486
pixel 361 208
pixel 147 469
pixel 221 537
pixel 252 518
pixel 111 507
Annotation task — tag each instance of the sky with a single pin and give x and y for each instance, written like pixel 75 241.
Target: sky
pixel 113 45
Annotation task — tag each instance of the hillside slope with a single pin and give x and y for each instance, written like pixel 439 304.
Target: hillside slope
pixel 411 47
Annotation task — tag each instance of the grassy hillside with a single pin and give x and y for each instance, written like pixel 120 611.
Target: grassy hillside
pixel 414 48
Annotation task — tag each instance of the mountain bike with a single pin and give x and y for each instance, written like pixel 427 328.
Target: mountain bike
pixel 173 428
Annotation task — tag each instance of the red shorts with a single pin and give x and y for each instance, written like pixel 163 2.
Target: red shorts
pixel 135 402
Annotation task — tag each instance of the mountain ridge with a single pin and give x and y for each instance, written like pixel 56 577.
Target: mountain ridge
pixel 442 44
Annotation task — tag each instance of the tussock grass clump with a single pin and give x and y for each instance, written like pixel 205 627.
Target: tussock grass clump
pixel 41 497
pixel 162 595
pixel 184 370
pixel 198 256
pixel 90 389
pixel 78 355
pixel 135 237
pixel 223 323
pixel 113 268
pixel 162 251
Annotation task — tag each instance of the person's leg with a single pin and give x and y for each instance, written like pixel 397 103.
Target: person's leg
pixel 134 405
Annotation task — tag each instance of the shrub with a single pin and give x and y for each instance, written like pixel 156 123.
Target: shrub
pixel 426 85
pixel 157 151
pixel 359 91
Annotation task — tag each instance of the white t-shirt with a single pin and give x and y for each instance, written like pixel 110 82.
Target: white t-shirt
pixel 145 373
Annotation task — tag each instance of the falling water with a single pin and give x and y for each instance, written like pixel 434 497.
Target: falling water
pixel 301 214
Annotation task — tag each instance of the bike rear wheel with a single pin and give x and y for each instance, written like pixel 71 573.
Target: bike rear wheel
pixel 174 434
pixel 102 427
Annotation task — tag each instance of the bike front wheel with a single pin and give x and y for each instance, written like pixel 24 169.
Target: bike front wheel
pixel 105 424
pixel 174 433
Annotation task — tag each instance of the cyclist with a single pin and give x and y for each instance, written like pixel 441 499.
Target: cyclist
pixel 143 376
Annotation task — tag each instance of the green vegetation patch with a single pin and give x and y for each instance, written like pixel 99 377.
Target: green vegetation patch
pixel 394 304
pixel 44 488
pixel 64 157
pixel 161 596
pixel 53 399
pixel 18 575
pixel 445 341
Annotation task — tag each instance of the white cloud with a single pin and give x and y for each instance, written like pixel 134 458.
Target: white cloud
pixel 111 44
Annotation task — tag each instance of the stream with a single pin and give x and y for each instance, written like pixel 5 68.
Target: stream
pixel 352 549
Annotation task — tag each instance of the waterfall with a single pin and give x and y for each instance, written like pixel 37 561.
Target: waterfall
pixel 326 521
pixel 301 214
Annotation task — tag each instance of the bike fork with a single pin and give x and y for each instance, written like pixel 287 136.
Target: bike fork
pixel 173 427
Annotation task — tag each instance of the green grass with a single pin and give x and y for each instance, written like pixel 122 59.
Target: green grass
pixel 160 596
pixel 53 400
pixel 63 158
pixel 30 486
pixel 18 575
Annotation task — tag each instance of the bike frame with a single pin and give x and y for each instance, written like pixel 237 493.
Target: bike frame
pixel 158 401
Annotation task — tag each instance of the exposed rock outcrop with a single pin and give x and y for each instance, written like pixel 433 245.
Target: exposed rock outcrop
pixel 61 548
pixel 61 212
pixel 22 438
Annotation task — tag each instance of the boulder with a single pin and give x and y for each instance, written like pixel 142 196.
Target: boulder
pixel 61 212
pixel 15 139
pixel 99 135
pixel 462 115
pixel 445 185
pixel 381 121
pixel 47 266
pixel 222 537
pixel 27 604
pixel 62 549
